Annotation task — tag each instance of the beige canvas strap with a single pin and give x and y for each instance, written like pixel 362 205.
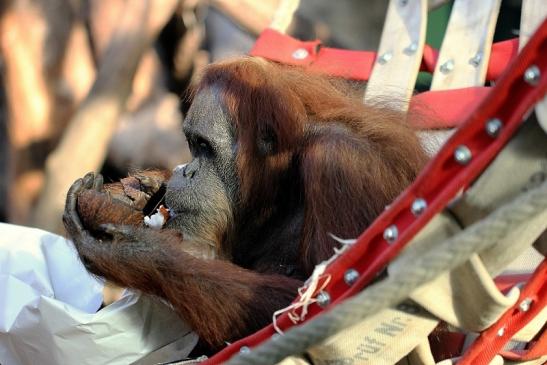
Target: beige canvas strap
pixel 466 297
pixel 421 355
pixel 472 24
pixel 284 14
pixel 399 54
pixel 532 14
pixel 382 339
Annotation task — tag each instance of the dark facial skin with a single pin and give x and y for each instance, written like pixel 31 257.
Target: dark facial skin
pixel 204 192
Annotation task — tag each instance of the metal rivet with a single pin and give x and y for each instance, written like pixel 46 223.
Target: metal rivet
pixel 391 233
pixel 383 59
pixel 323 299
pixel 411 49
pixel 531 75
pixel 300 54
pixel 476 59
pixel 501 332
pixel 418 206
pixel 403 2
pixel 524 306
pixel 351 276
pixel 244 350
pixel 493 127
pixel 462 155
pixel 447 67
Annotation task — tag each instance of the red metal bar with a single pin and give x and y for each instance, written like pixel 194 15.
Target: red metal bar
pixel 532 300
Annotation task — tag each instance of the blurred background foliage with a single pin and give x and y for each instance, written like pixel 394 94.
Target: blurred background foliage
pixel 102 84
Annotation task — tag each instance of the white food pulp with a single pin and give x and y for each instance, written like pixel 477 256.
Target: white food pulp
pixel 156 220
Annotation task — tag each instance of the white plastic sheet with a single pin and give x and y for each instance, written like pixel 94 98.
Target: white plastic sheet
pixel 49 303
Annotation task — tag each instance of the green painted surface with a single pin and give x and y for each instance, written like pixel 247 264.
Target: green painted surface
pixel 437 20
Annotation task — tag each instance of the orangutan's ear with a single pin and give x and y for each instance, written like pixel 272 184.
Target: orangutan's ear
pixel 267 143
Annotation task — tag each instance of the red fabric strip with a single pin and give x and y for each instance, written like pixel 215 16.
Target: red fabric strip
pixel 444 108
pixel 275 46
pixel 357 65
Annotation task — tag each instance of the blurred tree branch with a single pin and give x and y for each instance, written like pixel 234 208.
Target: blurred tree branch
pixel 262 11
pixel 84 143
pixel 42 86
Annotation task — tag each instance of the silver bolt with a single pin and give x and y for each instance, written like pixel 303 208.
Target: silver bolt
pixel 501 332
pixel 476 59
pixel 411 49
pixel 244 350
pixel 383 59
pixel 531 75
pixel 447 67
pixel 351 276
pixel 391 233
pixel 462 154
pixel 323 299
pixel 524 306
pixel 493 127
pixel 418 206
pixel 300 54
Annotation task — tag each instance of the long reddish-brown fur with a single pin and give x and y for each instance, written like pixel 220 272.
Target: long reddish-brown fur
pixel 305 142
pixel 355 158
